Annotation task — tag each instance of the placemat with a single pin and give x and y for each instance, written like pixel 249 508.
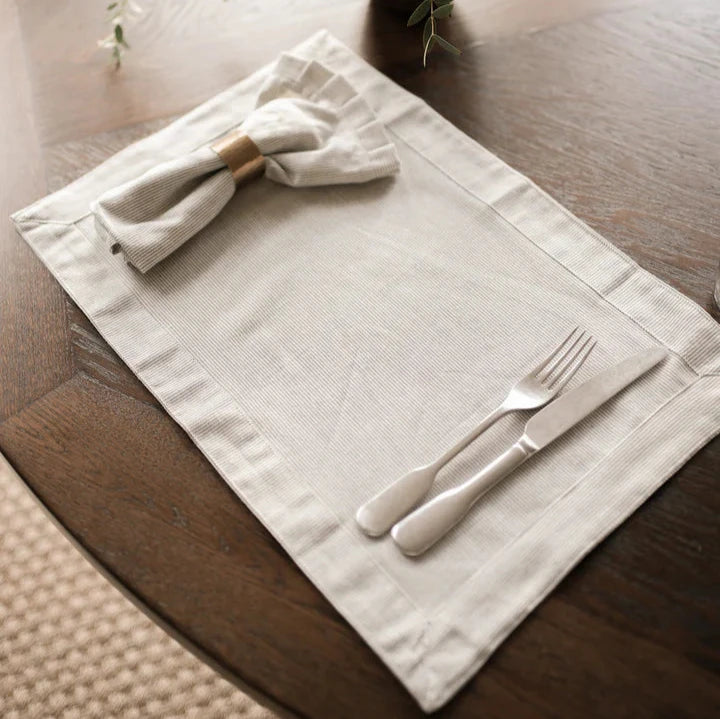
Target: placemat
pixel 316 343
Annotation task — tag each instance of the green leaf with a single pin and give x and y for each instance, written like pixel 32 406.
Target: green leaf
pixel 119 33
pixel 442 2
pixel 419 13
pixel 445 45
pixel 427 31
pixel 428 46
pixel 443 11
pixel 112 5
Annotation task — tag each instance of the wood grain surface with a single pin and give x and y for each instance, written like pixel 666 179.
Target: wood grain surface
pixel 611 106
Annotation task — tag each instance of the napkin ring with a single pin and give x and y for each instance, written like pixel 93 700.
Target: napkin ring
pixel 241 155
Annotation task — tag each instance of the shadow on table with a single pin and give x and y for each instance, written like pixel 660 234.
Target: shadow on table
pixel 450 84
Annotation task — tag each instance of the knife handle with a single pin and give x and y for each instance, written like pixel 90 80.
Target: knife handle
pixel 427 524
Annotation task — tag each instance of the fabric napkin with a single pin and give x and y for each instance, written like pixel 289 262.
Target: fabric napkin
pixel 318 342
pixel 310 126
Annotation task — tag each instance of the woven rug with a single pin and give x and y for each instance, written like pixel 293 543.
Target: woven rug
pixel 73 647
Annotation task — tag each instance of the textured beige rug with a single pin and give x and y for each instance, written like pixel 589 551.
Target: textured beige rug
pixel 72 646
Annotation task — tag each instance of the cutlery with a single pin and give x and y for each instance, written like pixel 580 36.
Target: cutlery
pixel 536 389
pixel 427 524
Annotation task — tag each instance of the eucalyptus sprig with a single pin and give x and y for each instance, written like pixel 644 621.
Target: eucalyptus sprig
pixel 437 10
pixel 118 13
pixel 120 10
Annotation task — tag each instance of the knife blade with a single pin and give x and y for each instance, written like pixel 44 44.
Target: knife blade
pixel 574 406
pixel 427 524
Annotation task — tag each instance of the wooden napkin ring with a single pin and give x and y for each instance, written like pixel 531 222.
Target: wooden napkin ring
pixel 241 155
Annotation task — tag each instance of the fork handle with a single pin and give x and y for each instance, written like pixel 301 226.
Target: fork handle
pixel 471 436
pixel 390 505
pixel 378 514
pixel 426 525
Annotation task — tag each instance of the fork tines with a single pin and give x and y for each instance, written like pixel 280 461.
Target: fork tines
pixel 560 367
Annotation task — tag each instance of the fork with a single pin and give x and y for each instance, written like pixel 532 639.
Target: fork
pixel 533 391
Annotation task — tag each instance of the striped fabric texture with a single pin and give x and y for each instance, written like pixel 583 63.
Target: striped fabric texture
pixel 309 123
pixel 318 342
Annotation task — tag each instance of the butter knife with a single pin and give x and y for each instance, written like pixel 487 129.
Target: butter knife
pixel 427 524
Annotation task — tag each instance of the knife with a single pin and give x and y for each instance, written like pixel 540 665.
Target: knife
pixel 426 525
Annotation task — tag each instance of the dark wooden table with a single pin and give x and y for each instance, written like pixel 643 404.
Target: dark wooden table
pixel 612 106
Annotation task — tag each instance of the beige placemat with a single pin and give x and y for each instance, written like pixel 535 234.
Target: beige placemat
pixel 73 647
pixel 317 343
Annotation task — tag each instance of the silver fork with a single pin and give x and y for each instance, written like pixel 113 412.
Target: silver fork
pixel 533 391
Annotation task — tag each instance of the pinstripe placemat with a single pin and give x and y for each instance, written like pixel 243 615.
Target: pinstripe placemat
pixel 317 343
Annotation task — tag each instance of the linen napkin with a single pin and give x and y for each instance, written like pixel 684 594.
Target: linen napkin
pixel 309 127
pixel 317 343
